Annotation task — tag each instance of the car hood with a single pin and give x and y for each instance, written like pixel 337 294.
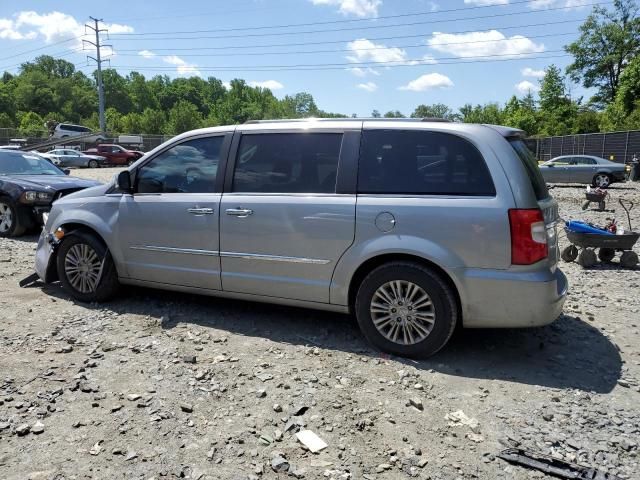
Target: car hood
pixel 51 182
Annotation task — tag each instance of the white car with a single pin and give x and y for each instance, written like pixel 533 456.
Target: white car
pixel 64 130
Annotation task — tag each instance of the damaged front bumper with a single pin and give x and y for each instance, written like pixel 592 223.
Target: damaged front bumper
pixel 45 256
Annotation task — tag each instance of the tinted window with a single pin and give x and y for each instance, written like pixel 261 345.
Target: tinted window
pixel 19 163
pixel 416 162
pixel 563 161
pixel 189 167
pixel 585 161
pixel 287 163
pixel 530 165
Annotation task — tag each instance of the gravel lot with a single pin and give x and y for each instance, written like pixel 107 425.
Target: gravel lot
pixel 166 385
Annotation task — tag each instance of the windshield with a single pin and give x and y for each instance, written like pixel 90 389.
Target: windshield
pixel 531 167
pixel 14 163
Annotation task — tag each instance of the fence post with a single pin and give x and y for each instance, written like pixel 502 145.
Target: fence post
pixel 562 145
pixel 604 139
pixel 626 148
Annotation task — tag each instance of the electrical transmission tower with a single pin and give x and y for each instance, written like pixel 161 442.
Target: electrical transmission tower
pixel 98 59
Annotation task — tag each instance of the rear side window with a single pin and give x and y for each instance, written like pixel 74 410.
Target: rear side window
pixel 287 163
pixel 421 163
pixel 530 165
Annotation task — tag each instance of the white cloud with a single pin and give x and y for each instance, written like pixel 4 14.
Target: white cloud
pixel 51 27
pixel 486 2
pixel 146 53
pixel 478 44
pixel 363 50
pixel 182 66
pixel 359 8
pixel 270 84
pixel 530 72
pixel 428 82
pixel 572 4
pixel 363 72
pixel 369 86
pixel 227 85
pixel 526 86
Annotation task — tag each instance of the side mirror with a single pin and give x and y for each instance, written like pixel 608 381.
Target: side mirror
pixel 124 182
pixel 66 171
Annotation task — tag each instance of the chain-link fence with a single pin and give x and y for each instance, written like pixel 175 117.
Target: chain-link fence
pixel 11 136
pixel 615 146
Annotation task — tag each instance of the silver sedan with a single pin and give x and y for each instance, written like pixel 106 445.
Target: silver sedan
pixel 65 157
pixel 585 169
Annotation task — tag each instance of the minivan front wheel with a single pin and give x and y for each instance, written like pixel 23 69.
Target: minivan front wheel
pixel 86 269
pixel 406 309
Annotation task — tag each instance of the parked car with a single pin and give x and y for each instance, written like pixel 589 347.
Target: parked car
pixel 66 157
pixel 28 185
pixel 413 226
pixel 115 154
pixel 586 169
pixel 64 130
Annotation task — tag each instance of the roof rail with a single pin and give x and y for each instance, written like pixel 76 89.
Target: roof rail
pixel 347 119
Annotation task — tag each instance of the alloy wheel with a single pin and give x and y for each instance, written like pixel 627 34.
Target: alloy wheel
pixel 602 180
pixel 402 312
pixel 6 218
pixel 83 268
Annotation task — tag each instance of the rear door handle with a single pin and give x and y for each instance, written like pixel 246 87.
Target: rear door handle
pixel 200 211
pixel 239 212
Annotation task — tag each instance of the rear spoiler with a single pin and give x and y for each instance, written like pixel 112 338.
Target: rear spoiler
pixel 508 132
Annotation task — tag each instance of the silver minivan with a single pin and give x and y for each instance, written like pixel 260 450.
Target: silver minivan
pixel 413 226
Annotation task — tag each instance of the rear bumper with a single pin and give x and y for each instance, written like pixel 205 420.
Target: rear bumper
pixel 504 299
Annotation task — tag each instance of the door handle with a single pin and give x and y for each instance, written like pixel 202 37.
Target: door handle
pixel 200 211
pixel 239 212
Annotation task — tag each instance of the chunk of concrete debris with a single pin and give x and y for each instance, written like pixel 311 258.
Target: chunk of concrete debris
pixel 279 464
pixel 189 358
pixel 416 403
pixel 132 397
pixel 186 407
pixel 37 428
pixel 277 407
pixel 96 449
pixel 459 419
pixel 310 440
pixel 23 429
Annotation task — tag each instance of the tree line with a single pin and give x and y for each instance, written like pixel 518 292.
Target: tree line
pixel 606 57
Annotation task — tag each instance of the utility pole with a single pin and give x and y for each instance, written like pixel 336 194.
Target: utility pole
pixel 98 60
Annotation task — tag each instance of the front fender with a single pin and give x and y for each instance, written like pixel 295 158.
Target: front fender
pixel 99 215
pixel 361 252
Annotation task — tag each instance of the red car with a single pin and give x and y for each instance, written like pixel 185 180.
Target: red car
pixel 115 154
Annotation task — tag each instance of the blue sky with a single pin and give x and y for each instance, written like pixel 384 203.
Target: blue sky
pixel 353 56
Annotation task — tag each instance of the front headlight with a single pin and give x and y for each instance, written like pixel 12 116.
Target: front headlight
pixel 33 197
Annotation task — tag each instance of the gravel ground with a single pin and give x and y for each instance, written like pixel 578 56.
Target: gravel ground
pixel 166 385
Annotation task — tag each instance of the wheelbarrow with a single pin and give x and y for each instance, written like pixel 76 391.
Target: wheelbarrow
pixel 585 239
pixel 598 196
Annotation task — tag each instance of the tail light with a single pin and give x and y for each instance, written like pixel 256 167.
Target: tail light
pixel 528 236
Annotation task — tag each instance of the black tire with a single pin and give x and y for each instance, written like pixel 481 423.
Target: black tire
pixel 10 223
pixel 587 258
pixel 606 254
pixel 92 164
pixel 602 180
pixel 629 259
pixel 585 204
pixel 442 298
pixel 570 253
pixel 107 283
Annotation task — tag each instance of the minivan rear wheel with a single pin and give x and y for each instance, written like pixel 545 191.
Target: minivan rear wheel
pixel 406 309
pixel 86 269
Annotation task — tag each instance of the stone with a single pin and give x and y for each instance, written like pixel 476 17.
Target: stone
pixel 37 428
pixel 277 407
pixel 23 429
pixel 310 440
pixel 279 464
pixel 261 393
pixel 186 407
pixel 132 397
pixel 189 359
pixel 416 403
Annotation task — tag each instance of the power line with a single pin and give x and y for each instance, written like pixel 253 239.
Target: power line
pixel 299 52
pixel 333 42
pixel 41 48
pixel 307 32
pixel 353 20
pixel 99 61
pixel 390 64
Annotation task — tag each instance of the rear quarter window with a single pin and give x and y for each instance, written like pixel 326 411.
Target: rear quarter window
pixel 414 162
pixel 530 164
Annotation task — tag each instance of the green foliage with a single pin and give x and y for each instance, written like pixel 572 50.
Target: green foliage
pixel 183 116
pixel 437 110
pixel 608 40
pixel 31 125
pixel 394 114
